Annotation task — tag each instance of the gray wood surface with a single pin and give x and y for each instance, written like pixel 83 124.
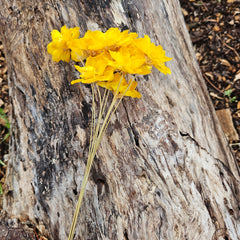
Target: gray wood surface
pixel 163 170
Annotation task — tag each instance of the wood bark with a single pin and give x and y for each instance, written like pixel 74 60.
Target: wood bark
pixel 164 169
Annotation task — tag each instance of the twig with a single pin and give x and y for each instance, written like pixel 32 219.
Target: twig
pixel 216 88
pixel 234 50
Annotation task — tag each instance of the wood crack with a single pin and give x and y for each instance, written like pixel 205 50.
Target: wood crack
pixel 134 131
pixel 188 136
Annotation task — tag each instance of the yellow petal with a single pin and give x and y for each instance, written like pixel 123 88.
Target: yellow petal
pixel 64 30
pixel 162 68
pixel 50 48
pixel 56 35
pixel 75 32
pixel 76 81
pixel 78 48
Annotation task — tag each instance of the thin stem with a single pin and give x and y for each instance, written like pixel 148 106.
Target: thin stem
pixel 106 121
pixel 96 141
pixel 83 187
pixel 96 137
pixel 106 99
pixel 116 106
pixel 93 118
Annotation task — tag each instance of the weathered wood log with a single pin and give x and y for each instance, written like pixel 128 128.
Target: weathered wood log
pixel 163 171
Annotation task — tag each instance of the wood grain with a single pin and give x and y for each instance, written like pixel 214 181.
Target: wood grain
pixel 163 170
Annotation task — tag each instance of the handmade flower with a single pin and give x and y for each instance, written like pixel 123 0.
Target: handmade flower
pixel 96 69
pixel 130 60
pixel 121 87
pixel 107 60
pixel 155 55
pixel 59 47
pixel 78 49
pixel 112 39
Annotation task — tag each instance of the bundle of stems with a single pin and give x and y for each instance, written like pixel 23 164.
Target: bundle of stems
pixel 98 129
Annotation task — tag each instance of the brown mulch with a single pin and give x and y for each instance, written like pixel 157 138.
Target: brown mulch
pixel 4 105
pixel 214 28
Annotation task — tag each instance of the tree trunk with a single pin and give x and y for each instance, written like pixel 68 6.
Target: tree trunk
pixel 163 170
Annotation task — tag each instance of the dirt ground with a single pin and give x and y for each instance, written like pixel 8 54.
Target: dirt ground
pixel 214 28
pixel 4 107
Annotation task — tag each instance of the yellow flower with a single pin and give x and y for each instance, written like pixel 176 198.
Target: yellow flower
pixel 94 40
pixel 112 39
pixel 59 47
pixel 96 69
pixel 155 54
pixel 126 38
pixel 130 60
pixel 78 49
pixel 109 57
pixel 120 86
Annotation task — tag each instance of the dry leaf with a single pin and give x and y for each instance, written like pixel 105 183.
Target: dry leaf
pixel 238 105
pixel 1 102
pixel 209 74
pixel 225 118
pixel 216 28
pixel 237 77
pixel 185 12
pixel 212 94
pixel 225 62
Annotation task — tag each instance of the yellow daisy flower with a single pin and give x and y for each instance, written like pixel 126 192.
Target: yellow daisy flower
pixel 59 47
pixel 130 60
pixel 120 86
pixel 155 55
pixel 96 69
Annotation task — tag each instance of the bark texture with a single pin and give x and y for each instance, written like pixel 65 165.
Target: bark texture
pixel 163 171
